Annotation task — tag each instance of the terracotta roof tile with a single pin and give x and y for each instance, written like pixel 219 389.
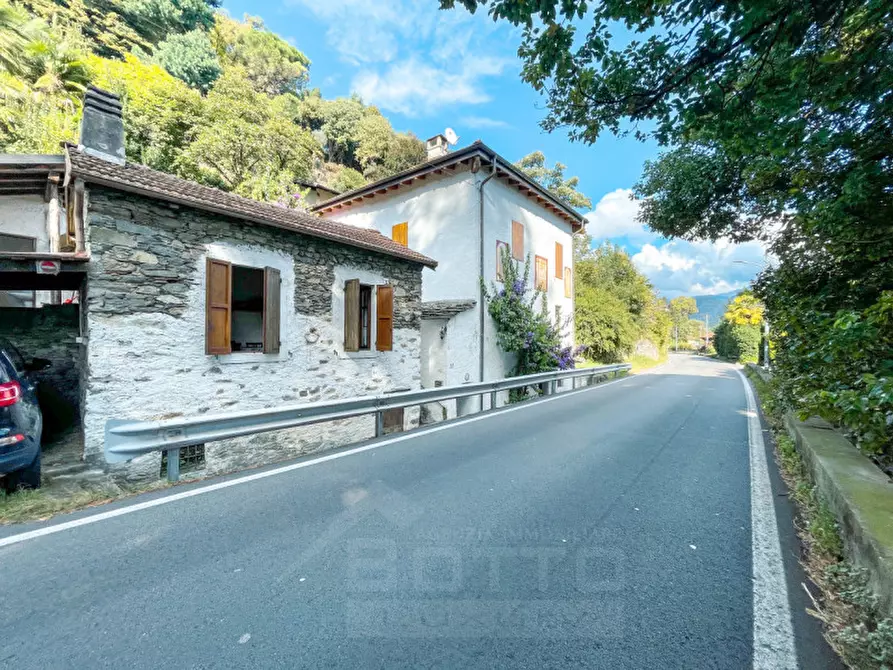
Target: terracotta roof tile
pixel 152 183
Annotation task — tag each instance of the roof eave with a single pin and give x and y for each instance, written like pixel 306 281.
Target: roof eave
pixel 186 202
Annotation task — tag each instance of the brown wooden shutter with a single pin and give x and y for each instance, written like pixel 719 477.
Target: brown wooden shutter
pixel 218 306
pixel 559 261
pixel 272 290
pixel 568 283
pixel 541 274
pixel 352 315
pixel 384 315
pixel 400 234
pixel 517 241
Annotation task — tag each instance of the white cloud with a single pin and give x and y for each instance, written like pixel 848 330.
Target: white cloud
pixel 482 122
pixel 412 57
pixel 699 268
pixel 413 87
pixel 675 267
pixel 615 216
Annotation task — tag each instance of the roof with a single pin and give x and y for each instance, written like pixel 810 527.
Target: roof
pixel 445 309
pixel 445 165
pixel 144 181
pixel 27 174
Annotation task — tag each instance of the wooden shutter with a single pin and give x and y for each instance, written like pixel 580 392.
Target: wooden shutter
pixel 559 261
pixel 541 274
pixel 272 290
pixel 384 315
pixel 568 283
pixel 218 306
pixel 400 234
pixel 517 241
pixel 352 315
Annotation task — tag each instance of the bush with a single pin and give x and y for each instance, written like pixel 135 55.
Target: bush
pixel 521 328
pixel 738 342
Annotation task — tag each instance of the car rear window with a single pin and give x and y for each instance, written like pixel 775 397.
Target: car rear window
pixel 11 356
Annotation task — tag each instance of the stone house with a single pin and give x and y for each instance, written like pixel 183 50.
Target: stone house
pixel 192 300
pixel 464 207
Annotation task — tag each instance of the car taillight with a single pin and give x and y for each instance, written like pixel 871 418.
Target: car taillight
pixel 10 394
pixel 12 439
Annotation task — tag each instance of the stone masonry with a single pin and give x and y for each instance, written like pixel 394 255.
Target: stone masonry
pixel 145 320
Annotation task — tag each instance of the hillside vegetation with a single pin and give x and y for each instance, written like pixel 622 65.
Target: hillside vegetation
pixel 205 96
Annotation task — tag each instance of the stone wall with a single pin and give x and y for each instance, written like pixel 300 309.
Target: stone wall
pixel 50 332
pixel 145 316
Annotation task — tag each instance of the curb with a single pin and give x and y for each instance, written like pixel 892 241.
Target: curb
pixel 859 495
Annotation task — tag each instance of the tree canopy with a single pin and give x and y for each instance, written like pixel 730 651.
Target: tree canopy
pixel 552 179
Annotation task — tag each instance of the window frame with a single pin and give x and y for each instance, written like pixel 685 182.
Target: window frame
pixel 559 260
pixel 518 240
pixel 536 274
pixel 378 316
pixel 271 314
pixel 568 282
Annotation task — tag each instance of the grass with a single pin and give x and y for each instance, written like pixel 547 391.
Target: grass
pixel 639 363
pixel 854 624
pixel 44 503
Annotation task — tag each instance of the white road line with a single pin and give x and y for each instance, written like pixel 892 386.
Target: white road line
pixel 121 511
pixel 773 632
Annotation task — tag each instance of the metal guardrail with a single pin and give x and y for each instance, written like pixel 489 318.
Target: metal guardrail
pixel 128 439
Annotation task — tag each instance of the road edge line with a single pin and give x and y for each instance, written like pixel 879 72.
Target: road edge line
pixel 244 479
pixel 773 631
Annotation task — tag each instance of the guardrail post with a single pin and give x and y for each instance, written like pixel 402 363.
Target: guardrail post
pixel 492 399
pixel 379 423
pixel 173 464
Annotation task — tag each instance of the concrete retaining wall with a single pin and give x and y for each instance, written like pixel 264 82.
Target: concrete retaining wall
pixel 859 495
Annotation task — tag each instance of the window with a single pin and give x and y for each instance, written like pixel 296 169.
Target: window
pixel 559 260
pixel 541 274
pixel 241 308
pixel 501 249
pixel 568 284
pixel 517 241
pixel 364 306
pixel 400 233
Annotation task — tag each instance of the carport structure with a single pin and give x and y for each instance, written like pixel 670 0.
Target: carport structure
pixel 43 267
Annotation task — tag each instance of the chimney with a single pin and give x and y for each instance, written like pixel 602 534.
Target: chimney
pixel 102 127
pixel 437 146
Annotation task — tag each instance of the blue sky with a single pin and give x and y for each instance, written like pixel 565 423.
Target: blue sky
pixel 428 69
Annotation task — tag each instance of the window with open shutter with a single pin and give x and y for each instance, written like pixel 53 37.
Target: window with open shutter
pixel 541 274
pixel 517 241
pixel 384 310
pixel 218 307
pixel 400 233
pixel 352 315
pixel 559 260
pixel 568 283
pixel 272 290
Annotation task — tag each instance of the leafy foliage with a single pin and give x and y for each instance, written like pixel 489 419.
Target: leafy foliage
pixel 616 306
pixel 271 64
pixel 156 20
pixel 552 179
pixel 521 328
pixel 190 57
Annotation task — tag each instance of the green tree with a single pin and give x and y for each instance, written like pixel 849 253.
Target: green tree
pixel 156 20
pixel 346 179
pixel 15 33
pixel 55 67
pixel 190 57
pixel 341 122
pixel 161 113
pixel 247 143
pixel 680 311
pixel 271 64
pixel 552 179
pixel 744 309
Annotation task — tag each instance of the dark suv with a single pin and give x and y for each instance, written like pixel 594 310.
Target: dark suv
pixel 21 422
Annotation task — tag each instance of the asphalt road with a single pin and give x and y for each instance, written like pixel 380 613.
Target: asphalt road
pixel 607 528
